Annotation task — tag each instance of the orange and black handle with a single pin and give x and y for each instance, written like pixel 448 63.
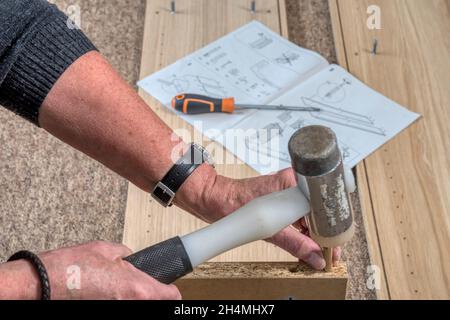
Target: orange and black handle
pixel 198 104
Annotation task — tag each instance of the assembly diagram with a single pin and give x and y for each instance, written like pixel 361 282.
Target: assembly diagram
pixel 328 96
pixel 331 92
pixel 287 58
pixel 193 83
pixel 343 117
pixel 285 125
pixel 262 71
pixel 256 39
pixel 255 65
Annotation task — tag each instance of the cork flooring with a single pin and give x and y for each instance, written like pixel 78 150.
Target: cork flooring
pixel 53 196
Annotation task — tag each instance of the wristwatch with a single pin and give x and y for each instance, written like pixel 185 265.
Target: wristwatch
pixel 166 189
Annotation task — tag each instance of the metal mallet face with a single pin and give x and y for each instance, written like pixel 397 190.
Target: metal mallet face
pixel 316 156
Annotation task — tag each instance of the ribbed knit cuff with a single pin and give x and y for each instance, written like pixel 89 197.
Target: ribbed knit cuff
pixel 43 59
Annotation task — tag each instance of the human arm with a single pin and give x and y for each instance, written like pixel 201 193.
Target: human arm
pixel 91 108
pixel 86 272
pixel 95 111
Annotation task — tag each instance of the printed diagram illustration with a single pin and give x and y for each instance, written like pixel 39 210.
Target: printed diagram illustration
pixel 300 123
pixel 287 58
pixel 333 92
pixel 194 84
pixel 209 86
pixel 261 41
pixel 174 86
pixel 272 49
pixel 262 70
pixel 261 142
pixel 342 117
pixel 330 93
pixel 282 128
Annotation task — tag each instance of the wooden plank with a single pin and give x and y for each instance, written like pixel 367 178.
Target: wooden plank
pixel 407 180
pixel 201 22
pixel 284 29
pixel 262 281
pixel 363 188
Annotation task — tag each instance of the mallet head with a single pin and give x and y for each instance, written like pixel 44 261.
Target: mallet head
pixel 316 157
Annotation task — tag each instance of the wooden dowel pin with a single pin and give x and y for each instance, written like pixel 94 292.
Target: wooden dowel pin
pixel 328 256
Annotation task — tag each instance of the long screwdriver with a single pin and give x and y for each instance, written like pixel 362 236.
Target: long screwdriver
pixel 198 104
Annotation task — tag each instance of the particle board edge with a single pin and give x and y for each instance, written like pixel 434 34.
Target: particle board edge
pixel 263 281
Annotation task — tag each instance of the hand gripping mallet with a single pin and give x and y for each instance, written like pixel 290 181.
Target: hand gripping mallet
pixel 264 217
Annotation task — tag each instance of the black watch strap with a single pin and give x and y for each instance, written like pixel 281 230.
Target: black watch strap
pixel 165 190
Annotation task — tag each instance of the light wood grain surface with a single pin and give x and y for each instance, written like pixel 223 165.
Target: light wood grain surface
pixel 405 185
pixel 168 38
pixel 361 173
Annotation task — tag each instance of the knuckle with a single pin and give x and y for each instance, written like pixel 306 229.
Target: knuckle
pixel 126 250
pixel 101 247
pixel 141 293
pixel 287 178
pixel 97 244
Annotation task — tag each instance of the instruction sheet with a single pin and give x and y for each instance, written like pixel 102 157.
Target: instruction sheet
pixel 257 66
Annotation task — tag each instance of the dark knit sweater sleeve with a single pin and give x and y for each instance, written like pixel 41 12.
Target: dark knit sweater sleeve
pixel 37 44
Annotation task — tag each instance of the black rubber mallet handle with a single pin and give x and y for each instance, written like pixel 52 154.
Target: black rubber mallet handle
pixel 166 261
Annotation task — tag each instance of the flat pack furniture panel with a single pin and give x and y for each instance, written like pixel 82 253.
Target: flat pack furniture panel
pixel 167 38
pixel 405 185
pixel 263 281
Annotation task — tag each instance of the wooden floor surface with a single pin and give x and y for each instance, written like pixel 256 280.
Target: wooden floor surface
pixel 405 186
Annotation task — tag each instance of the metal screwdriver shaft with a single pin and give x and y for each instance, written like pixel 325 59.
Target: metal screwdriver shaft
pixel 274 107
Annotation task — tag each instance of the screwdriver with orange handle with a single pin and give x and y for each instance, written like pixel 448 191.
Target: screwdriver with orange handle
pixel 198 104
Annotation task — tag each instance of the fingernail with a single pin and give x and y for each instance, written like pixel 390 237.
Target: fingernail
pixel 316 261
